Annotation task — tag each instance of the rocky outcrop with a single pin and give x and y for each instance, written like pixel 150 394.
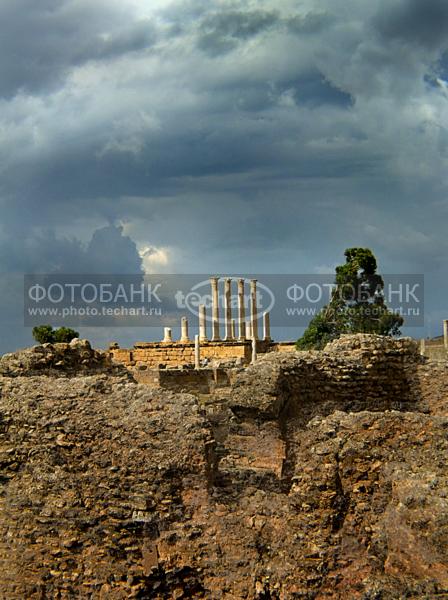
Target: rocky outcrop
pixel 113 490
pixel 58 360
pixel 370 490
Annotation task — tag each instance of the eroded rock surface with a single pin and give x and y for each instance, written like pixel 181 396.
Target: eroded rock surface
pixel 277 489
pixel 58 359
pixel 97 473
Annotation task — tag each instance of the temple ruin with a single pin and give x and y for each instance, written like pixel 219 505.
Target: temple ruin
pixel 240 342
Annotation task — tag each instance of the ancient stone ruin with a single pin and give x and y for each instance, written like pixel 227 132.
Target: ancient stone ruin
pixel 164 364
pixel 436 349
pixel 309 475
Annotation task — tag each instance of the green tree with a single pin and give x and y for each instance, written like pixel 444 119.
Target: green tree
pixel 356 306
pixel 46 334
pixel 43 334
pixel 65 334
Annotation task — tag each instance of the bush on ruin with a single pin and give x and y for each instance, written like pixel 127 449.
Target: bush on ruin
pixel 44 334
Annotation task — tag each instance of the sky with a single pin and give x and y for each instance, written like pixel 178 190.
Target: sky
pixel 205 136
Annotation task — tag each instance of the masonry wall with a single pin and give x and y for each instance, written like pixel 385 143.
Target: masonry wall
pixel 435 351
pixel 204 381
pixel 284 347
pixel 176 354
pixel 356 372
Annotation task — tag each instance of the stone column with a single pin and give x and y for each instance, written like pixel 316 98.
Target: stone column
pixel 228 308
pixel 253 308
pixel 422 346
pixel 266 327
pixel 249 330
pixel 233 327
pixel 215 309
pixel 254 351
pixel 167 335
pixel 202 324
pixel 445 333
pixel 241 312
pixel 197 352
pixel 184 330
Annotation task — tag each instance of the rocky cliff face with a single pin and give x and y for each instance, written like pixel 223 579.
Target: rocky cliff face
pixel 280 488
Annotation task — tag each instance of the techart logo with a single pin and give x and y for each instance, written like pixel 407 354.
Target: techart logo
pixel 201 295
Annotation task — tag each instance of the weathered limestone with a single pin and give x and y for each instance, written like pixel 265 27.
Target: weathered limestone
pixel 253 308
pixel 445 333
pixel 241 312
pixel 150 355
pixel 228 308
pixel 354 372
pixel 184 330
pixel 249 330
pixel 197 352
pixel 233 328
pixel 202 324
pixel 266 327
pixel 167 334
pixel 215 309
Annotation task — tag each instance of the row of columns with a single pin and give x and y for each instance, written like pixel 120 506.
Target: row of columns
pixel 246 330
pixel 184 337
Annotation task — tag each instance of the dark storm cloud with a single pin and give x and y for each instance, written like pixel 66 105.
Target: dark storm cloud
pixel 222 31
pixel 415 22
pixel 42 41
pixel 138 36
pixel 226 137
pixel 109 251
pixel 312 22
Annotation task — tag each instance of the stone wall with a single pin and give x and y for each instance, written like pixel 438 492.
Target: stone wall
pixel 435 351
pixel 284 347
pixel 203 381
pixel 355 372
pixel 175 354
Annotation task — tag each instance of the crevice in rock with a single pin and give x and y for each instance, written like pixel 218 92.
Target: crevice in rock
pixel 340 502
